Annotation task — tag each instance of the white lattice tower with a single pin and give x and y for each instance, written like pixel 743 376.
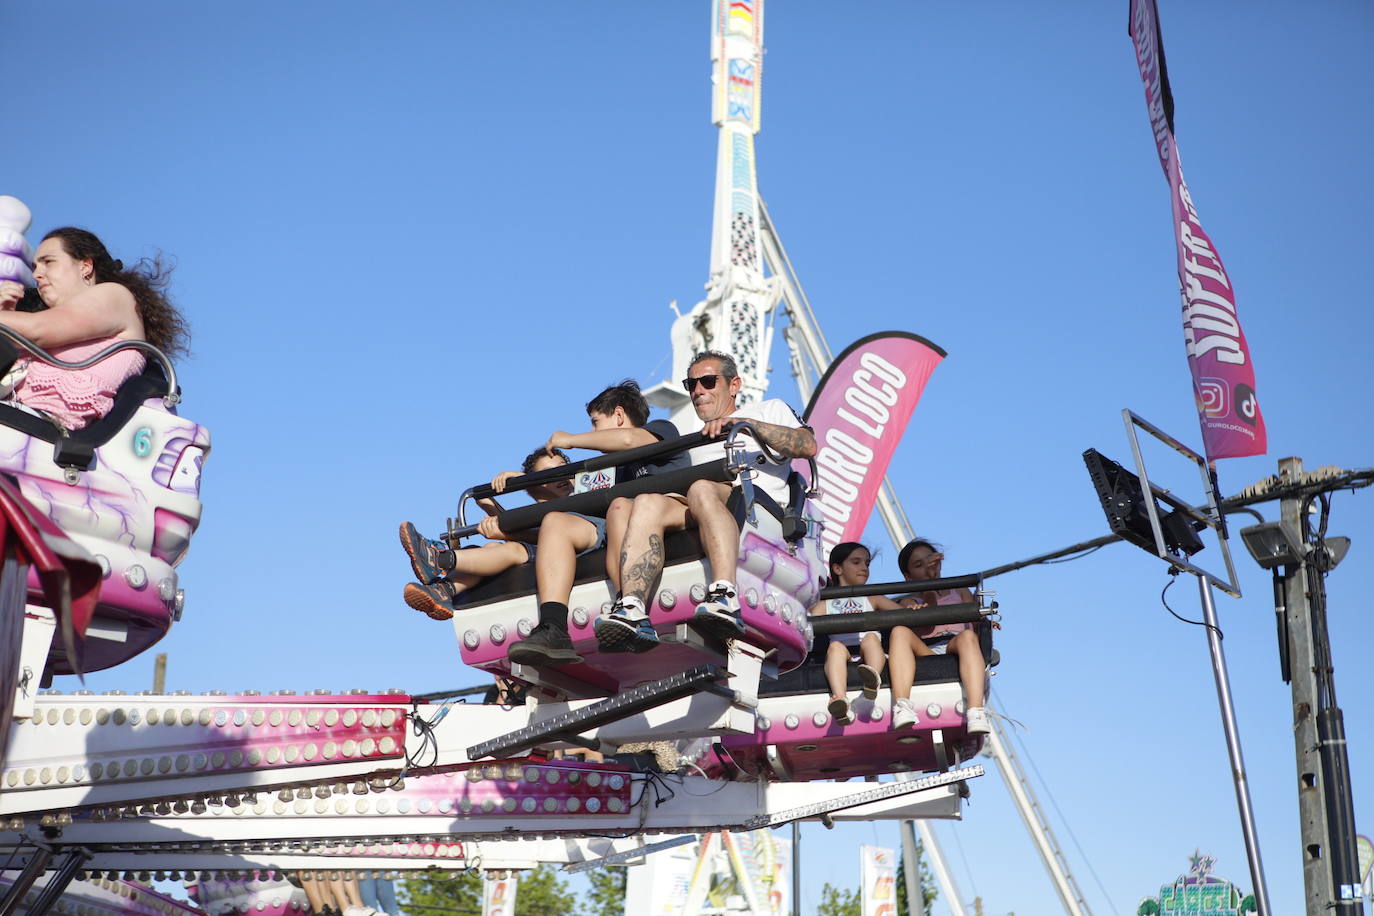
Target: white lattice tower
pixel 736 315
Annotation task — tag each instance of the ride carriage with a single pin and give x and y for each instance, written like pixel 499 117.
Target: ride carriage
pixel 790 736
pixel 797 739
pixel 126 488
pixel 779 577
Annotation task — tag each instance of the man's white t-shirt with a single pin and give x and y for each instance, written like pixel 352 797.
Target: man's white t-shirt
pixel 771 478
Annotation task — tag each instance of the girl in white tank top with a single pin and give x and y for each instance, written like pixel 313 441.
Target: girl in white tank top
pixel 849 566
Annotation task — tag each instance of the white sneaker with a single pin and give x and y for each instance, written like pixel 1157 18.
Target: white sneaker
pixel 978 721
pixel 903 714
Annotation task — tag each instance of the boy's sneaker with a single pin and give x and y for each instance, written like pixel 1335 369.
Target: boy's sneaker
pixel 435 599
pixel 871 680
pixel 719 613
pixel 626 628
pixel 841 711
pixel 978 721
pixel 546 645
pixel 903 714
pixel 424 554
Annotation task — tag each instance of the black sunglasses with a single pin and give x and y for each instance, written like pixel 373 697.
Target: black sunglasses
pixel 706 381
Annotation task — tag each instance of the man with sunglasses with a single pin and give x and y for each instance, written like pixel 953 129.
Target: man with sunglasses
pixel 639 525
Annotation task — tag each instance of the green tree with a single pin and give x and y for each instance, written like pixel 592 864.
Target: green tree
pixel 540 892
pixel 607 895
pixel 836 902
pixel 442 893
pixel 1148 907
pixel 928 889
pixel 543 893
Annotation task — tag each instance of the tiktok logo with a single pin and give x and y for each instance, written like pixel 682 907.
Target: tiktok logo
pixel 1247 406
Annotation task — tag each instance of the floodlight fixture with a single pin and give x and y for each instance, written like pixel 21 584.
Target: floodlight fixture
pixel 1124 502
pixel 1274 544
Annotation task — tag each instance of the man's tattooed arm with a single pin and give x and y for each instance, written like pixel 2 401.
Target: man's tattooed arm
pixel 797 442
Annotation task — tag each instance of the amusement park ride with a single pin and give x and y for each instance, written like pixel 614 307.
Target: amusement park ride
pixel 114 787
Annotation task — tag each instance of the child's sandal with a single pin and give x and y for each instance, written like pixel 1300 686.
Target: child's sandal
pixel 871 680
pixel 840 711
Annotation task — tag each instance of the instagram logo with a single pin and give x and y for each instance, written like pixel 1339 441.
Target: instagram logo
pixel 1211 397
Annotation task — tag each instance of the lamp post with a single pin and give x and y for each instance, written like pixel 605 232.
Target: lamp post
pixel 1325 806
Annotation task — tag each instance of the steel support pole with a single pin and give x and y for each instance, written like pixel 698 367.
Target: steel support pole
pixel 942 875
pixel 37 864
pixel 796 868
pixel 911 867
pixel 1228 723
pixel 1312 827
pixel 57 886
pixel 1325 811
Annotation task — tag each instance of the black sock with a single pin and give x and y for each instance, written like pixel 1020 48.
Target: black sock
pixel 555 614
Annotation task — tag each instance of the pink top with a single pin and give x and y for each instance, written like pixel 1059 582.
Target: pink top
pixel 76 397
pixel 945 629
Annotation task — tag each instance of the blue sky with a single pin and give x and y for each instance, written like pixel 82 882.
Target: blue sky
pixel 413 239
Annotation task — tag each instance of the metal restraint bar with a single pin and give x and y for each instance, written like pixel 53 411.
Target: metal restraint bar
pixel 567 726
pixel 901 588
pixel 171 398
pixel 916 618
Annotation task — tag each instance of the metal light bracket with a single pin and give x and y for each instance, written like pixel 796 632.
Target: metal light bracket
pixel 1210 515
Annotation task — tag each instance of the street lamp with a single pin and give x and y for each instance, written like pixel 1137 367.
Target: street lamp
pixel 1273 544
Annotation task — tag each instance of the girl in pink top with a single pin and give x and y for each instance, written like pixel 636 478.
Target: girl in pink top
pixel 920 561
pixel 92 302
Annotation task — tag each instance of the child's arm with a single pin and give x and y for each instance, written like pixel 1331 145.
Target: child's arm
pixel 818 609
pixel 490 530
pixel 498 483
pixel 603 440
pixel 882 603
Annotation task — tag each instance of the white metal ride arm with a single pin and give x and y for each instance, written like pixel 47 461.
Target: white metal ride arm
pixel 433 820
pixel 736 315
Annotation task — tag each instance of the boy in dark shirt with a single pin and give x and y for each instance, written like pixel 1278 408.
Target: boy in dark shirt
pixel 620 421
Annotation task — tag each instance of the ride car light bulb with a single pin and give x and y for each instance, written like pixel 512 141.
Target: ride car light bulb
pixel 698 593
pixel 136 576
pixel 667 598
pixel 471 640
pixel 579 616
pixel 934 710
pixel 498 633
